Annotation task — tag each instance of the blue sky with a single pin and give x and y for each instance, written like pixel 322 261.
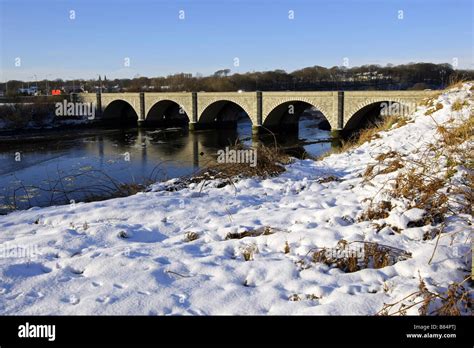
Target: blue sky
pixel 214 32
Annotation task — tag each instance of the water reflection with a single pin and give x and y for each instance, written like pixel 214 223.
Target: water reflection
pixel 57 171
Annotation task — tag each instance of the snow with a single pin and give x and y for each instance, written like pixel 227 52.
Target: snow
pixel 130 255
pixel 402 221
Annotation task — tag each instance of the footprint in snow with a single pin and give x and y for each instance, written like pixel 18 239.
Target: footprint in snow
pixel 24 270
pixel 162 260
pixel 107 299
pixel 14 296
pixel 95 254
pixel 34 294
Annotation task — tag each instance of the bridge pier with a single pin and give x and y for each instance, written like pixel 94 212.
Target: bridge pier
pixel 336 133
pixel 336 138
pixel 98 105
pixel 196 126
pixel 340 110
pixel 256 129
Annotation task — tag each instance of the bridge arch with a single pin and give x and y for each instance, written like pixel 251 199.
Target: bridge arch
pixel 167 112
pixel 120 109
pixel 284 113
pixel 371 111
pixel 224 112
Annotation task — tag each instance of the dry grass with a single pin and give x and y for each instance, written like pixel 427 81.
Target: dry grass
pixel 270 162
pixel 423 185
pixel 329 178
pixel 191 236
pixel 371 255
pixel 309 297
pixel 422 191
pixel 123 235
pixel 369 134
pixel 465 193
pixel 458 134
pixel 456 81
pixel 375 212
pixel 454 301
pixel 428 101
pixel 383 156
pixel 345 146
pixel 389 167
pixel 248 252
pixel 458 105
pixel 431 110
pixel 119 190
pixel 261 231
pixel 33 113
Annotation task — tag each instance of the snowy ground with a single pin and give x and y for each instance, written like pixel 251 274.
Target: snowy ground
pixel 130 255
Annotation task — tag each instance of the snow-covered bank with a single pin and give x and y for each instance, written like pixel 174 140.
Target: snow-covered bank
pixel 138 255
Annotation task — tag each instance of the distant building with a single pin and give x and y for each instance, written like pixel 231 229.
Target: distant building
pixel 33 90
pixel 73 89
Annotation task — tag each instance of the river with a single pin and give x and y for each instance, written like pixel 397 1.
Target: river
pixel 42 172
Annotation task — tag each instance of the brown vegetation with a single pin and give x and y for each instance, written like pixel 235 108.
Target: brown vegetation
pixel 455 300
pixel 261 231
pixel 368 134
pixel 372 255
pixel 34 114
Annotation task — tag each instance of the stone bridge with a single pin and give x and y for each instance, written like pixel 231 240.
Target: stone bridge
pixel 342 109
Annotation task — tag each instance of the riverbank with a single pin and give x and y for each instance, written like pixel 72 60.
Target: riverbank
pixel 386 222
pixel 49 134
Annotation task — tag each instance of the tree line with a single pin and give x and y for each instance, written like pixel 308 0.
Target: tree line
pixel 412 76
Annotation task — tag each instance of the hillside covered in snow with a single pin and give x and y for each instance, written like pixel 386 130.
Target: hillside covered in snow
pixel 382 228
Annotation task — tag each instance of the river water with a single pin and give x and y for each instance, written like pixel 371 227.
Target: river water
pixel 93 163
